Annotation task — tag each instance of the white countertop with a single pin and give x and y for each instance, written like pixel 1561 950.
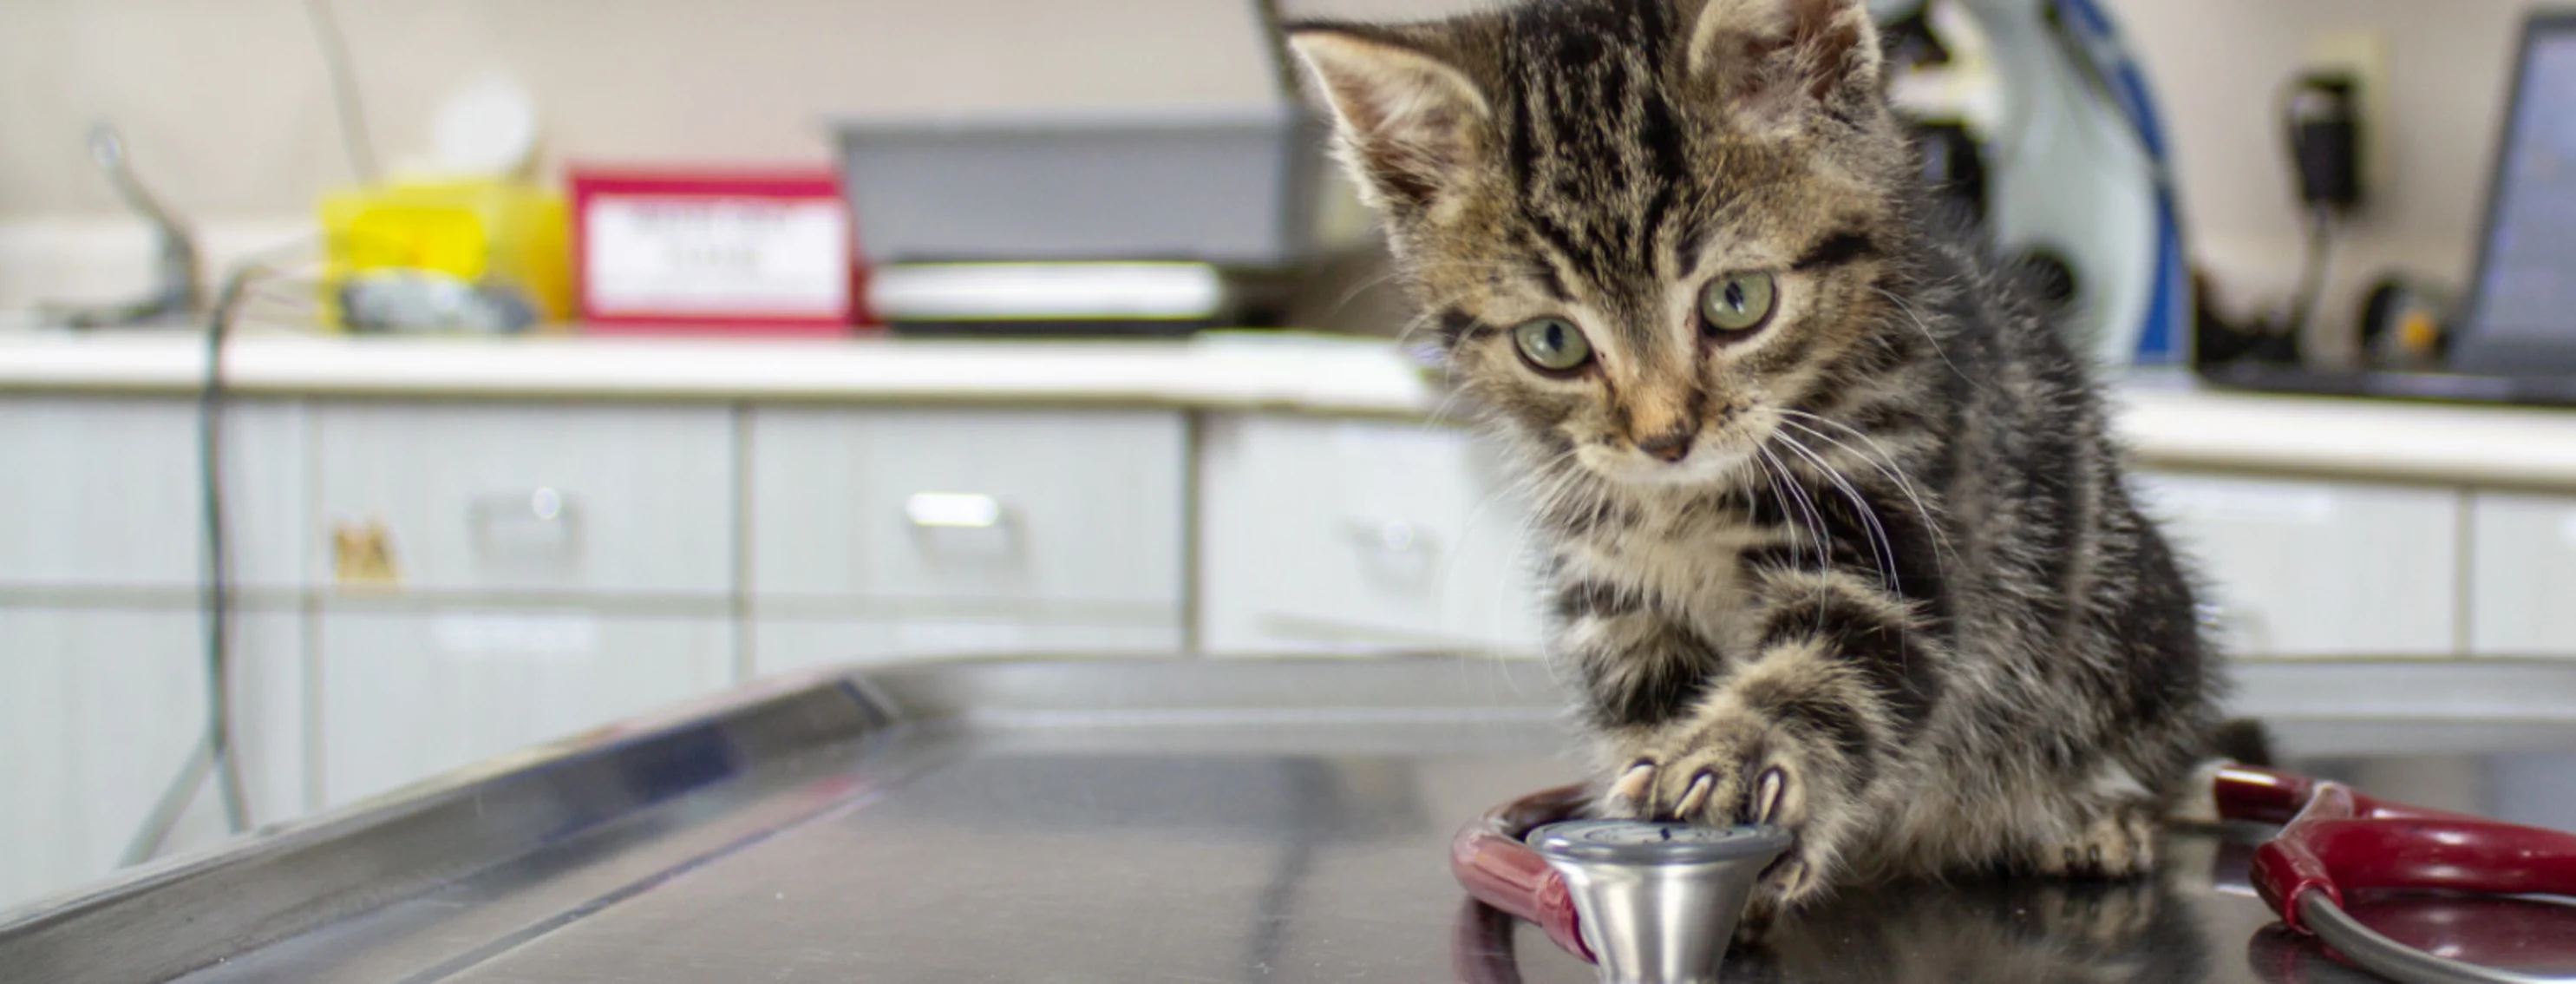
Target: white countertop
pixel 2168 424
pixel 1234 371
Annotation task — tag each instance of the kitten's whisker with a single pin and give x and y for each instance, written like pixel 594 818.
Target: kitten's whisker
pixel 1565 497
pixel 1882 548
pixel 1868 513
pixel 1550 502
pixel 1809 517
pixel 1363 286
pixel 1469 266
pixel 1858 434
pixel 1813 523
pixel 1884 465
pixel 1940 541
pixel 1414 326
pixel 1815 518
pixel 1907 308
pixel 1450 397
pixel 1428 314
pixel 1548 483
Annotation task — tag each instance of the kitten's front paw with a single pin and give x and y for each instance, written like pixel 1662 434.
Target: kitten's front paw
pixel 1722 780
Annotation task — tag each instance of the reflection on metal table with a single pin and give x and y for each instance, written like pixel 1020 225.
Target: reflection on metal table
pixel 1128 821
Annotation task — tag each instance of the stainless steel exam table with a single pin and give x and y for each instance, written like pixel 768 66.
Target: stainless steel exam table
pixel 1183 821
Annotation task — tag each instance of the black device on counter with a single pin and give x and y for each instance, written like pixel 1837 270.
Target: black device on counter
pixel 2324 118
pixel 2515 337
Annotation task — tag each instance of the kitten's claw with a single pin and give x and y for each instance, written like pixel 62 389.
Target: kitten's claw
pixel 1629 793
pixel 1733 775
pixel 1697 796
pixel 1773 785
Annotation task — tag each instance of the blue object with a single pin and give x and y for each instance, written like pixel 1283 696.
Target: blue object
pixel 2164 339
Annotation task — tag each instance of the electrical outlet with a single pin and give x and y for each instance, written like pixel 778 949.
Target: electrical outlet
pixel 2362 54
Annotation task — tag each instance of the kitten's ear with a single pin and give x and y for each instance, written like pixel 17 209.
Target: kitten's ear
pixel 1779 61
pixel 1409 122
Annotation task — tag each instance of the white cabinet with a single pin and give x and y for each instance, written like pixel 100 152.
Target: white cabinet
pixel 407 695
pixel 100 707
pixel 2307 568
pixel 1056 507
pixel 887 533
pixel 482 498
pixel 555 568
pixel 2522 597
pixel 103 494
pixel 1359 535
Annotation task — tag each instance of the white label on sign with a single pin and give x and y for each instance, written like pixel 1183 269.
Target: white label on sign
pixel 2567 527
pixel 516 634
pixel 749 257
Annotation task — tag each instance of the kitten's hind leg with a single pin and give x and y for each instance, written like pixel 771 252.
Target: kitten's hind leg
pixel 2118 841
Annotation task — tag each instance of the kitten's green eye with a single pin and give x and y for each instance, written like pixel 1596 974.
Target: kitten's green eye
pixel 1737 303
pixel 1553 344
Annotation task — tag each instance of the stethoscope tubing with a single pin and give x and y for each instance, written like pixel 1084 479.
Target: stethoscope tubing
pixel 2334 839
pixel 2394 960
pixel 1492 859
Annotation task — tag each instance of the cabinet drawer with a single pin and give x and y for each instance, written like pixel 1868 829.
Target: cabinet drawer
pixel 2319 569
pixel 964 505
pixel 2523 576
pixel 104 493
pixel 406 696
pixel 587 499
pixel 781 644
pixel 1321 535
pixel 99 707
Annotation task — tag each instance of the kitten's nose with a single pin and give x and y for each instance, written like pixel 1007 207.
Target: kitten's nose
pixel 1671 447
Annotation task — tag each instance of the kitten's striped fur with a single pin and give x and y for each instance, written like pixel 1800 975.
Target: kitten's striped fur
pixel 1894 594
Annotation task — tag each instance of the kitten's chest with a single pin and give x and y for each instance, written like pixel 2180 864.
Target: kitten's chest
pixel 1691 570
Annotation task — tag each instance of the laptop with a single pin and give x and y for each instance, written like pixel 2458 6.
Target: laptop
pixel 2515 340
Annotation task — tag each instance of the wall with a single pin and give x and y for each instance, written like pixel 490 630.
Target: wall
pixel 227 103
pixel 227 108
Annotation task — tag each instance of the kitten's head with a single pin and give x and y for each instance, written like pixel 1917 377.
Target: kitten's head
pixel 1648 229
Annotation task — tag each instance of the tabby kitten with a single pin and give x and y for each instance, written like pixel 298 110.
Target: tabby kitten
pixel 1836 537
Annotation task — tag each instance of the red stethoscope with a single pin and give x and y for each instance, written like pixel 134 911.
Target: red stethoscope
pixel 2332 840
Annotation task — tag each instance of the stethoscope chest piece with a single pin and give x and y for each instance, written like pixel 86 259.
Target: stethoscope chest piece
pixel 1658 902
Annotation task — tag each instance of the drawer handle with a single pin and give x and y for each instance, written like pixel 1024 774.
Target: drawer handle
pixel 545 510
pixel 1394 537
pixel 954 511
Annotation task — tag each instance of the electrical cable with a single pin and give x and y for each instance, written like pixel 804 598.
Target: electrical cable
pixel 2312 271
pixel 166 811
pixel 218 586
pixel 214 755
pixel 344 90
